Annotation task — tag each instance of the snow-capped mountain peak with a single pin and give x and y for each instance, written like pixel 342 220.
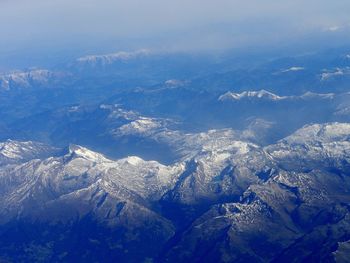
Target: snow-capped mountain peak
pixel 321 132
pixel 15 151
pixel 261 94
pixel 113 57
pixel 82 152
pixel 29 79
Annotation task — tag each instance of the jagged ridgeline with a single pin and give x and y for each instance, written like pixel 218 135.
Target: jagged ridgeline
pixel 168 157
pixel 227 200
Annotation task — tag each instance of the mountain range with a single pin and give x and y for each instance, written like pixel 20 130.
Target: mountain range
pixel 230 200
pixel 145 156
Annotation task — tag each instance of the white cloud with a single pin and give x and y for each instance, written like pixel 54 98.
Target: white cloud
pixel 333 28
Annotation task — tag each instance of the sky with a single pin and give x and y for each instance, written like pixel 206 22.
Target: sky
pixel 91 25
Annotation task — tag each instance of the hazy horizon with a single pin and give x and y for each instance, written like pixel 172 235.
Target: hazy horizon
pixel 81 27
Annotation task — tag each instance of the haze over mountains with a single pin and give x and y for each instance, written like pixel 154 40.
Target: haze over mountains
pixel 172 157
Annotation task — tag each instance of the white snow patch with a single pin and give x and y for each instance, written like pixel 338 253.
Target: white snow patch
pixel 175 83
pixel 262 94
pixel 328 74
pixel 293 69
